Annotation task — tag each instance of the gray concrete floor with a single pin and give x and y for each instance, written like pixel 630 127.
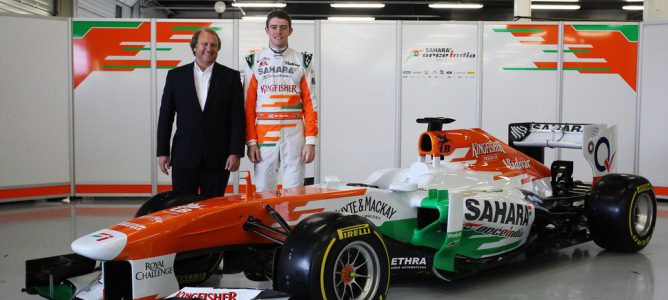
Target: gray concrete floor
pixel 39 229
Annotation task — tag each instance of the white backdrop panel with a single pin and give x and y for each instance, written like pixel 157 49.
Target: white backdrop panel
pixel 34 110
pixel 517 86
pixel 438 78
pixel 605 96
pixel 252 37
pixel 112 107
pixel 173 44
pixel 653 91
pixel 358 105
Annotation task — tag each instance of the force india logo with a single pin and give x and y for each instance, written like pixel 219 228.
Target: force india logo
pixel 486 148
pixel 369 205
pixel 439 52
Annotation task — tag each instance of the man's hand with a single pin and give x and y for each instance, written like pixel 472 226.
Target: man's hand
pixel 232 163
pixel 164 163
pixel 308 153
pixel 254 154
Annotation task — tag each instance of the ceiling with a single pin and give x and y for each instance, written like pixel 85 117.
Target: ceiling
pixel 493 10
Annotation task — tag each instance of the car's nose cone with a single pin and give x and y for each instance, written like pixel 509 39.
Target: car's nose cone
pixel 104 244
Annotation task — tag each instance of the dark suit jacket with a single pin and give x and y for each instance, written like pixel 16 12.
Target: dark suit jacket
pixel 212 134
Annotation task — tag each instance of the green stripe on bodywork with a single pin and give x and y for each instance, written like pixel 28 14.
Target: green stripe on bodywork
pixel 629 31
pixel 472 241
pixel 80 28
pixel 60 292
pixel 518 30
pixel 399 230
pixel 266 145
pixel 298 106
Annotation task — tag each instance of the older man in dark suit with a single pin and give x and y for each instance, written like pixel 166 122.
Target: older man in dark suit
pixel 207 99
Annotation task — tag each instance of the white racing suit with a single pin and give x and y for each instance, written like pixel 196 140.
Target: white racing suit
pixel 281 114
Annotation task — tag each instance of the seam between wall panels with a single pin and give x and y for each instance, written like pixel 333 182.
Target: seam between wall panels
pixel 398 93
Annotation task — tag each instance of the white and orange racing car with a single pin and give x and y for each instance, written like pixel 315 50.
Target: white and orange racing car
pixel 468 203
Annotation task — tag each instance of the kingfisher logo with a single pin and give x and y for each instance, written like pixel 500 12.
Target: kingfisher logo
pixel 486 148
pixel 609 157
pixel 102 236
pixel 273 88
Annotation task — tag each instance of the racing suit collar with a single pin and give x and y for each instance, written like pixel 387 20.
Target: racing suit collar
pixel 278 51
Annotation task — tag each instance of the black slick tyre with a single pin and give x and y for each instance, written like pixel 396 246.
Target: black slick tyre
pixel 189 269
pixel 331 256
pixel 621 212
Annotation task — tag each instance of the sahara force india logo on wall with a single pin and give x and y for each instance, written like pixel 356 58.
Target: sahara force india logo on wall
pixel 439 52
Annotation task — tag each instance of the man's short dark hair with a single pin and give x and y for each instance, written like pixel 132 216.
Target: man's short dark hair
pixel 193 41
pixel 278 13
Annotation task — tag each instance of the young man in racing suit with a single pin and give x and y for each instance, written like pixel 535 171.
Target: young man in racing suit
pixel 281 109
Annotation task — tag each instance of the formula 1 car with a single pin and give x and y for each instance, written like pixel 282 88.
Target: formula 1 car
pixel 470 202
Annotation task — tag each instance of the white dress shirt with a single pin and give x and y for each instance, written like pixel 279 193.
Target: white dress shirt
pixel 202 79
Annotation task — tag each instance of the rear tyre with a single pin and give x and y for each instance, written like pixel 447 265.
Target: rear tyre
pixel 189 270
pixel 622 212
pixel 330 256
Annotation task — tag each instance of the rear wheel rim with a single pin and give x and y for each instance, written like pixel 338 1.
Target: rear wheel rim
pixel 356 271
pixel 643 215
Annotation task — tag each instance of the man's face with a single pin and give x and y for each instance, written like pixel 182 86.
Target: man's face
pixel 206 49
pixel 278 32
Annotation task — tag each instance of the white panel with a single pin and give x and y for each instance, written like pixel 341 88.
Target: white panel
pixel 358 105
pixel 438 78
pixel 516 86
pixel 34 108
pixel 253 37
pixel 173 44
pixel 653 91
pixel 112 105
pixel 599 87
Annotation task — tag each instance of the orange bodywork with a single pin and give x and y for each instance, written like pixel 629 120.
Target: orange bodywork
pixel 217 221
pixel 497 159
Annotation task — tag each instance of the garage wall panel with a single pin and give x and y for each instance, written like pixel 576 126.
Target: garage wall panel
pixel 358 105
pixel 439 78
pixel 599 86
pixel 654 105
pixel 112 106
pixel 34 108
pixel 519 76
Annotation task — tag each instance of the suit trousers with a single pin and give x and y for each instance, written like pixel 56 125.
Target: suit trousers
pixel 205 181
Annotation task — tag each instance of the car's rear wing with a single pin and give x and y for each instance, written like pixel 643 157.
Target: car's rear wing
pixel 597 141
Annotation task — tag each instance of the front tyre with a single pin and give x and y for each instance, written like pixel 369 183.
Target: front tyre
pixel 622 212
pixel 330 256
